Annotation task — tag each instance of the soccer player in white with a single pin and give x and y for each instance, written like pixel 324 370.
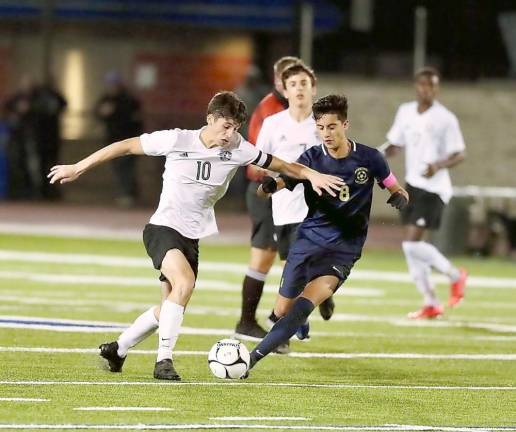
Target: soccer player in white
pixel 433 142
pixel 199 166
pixel 288 134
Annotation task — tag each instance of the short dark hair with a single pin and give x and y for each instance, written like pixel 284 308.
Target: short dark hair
pixel 297 69
pixel 428 72
pixel 228 105
pixel 284 62
pixel 331 104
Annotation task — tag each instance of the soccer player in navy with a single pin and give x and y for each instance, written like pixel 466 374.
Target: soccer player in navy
pixel 331 237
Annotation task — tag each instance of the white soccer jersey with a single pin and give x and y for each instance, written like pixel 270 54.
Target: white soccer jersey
pixel 195 177
pixel 287 139
pixel 428 137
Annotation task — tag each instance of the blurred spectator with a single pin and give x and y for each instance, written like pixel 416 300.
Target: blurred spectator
pixel 121 113
pixel 251 91
pixel 22 151
pixel 49 105
pixel 4 173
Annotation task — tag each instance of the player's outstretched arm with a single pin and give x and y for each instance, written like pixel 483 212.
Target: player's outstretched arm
pixel 68 173
pixel 269 185
pixel 388 149
pixel 319 181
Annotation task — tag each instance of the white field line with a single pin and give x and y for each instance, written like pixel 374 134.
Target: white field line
pixel 121 261
pixel 202 426
pixel 399 356
pixel 260 418
pixel 15 399
pixel 237 383
pixel 63 325
pixel 114 408
pixel 81 326
pixel 201 284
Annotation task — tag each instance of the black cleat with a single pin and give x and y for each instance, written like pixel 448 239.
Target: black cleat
pixel 326 308
pixel 283 348
pixel 249 331
pixel 164 370
pixel 109 352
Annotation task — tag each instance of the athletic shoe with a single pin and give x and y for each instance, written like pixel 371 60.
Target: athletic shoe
pixel 426 312
pixel 109 352
pixel 283 348
pixel 303 331
pixel 164 370
pixel 251 331
pixel 326 308
pixel 457 289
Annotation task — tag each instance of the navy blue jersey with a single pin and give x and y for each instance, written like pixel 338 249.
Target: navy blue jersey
pixel 341 221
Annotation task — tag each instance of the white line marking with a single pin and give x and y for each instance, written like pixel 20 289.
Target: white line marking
pixel 387 428
pixel 201 284
pixel 14 399
pixel 121 261
pixel 114 408
pixel 260 418
pixel 52 324
pixel 403 356
pixel 119 327
pixel 254 384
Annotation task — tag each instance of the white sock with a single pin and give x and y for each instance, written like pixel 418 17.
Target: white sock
pixel 430 254
pixel 141 328
pixel 170 319
pixel 420 272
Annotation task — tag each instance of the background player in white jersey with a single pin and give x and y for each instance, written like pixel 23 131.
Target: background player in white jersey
pixel 263 244
pixel 287 135
pixel 199 166
pixel 433 142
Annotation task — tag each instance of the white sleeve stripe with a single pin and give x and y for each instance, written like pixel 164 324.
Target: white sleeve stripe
pixel 262 160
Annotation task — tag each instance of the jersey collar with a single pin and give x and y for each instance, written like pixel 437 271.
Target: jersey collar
pixel 352 149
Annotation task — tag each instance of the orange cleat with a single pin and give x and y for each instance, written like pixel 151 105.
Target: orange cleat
pixel 426 312
pixel 457 289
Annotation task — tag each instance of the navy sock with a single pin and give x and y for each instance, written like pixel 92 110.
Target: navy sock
pixel 283 329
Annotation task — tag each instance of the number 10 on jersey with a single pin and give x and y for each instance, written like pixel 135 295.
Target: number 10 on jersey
pixel 203 170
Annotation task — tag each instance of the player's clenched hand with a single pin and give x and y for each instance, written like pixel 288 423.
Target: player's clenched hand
pixel 325 182
pixel 399 200
pixel 63 174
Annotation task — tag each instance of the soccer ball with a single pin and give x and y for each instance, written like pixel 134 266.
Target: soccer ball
pixel 228 358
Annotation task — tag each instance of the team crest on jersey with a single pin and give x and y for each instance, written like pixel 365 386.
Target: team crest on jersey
pixel 361 175
pixel 225 155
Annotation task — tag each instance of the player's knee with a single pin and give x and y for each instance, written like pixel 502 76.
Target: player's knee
pixel 182 290
pixel 280 311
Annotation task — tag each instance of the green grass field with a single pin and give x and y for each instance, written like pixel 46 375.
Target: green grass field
pixel 367 369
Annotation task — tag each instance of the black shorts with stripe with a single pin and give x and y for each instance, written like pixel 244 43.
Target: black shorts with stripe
pixel 159 239
pixel 285 235
pixel 424 210
pixel 260 211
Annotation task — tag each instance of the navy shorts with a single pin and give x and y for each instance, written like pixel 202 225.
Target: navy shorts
pixel 307 261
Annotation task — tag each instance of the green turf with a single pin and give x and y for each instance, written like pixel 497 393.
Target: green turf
pixel 371 320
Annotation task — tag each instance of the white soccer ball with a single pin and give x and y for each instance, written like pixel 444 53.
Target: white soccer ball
pixel 228 359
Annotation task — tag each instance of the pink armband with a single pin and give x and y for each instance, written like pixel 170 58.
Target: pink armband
pixel 390 180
